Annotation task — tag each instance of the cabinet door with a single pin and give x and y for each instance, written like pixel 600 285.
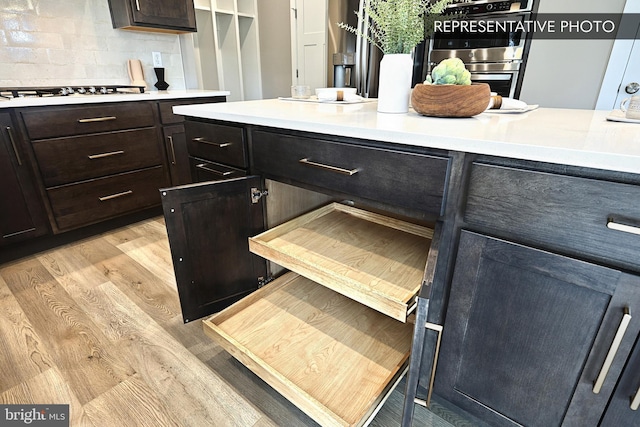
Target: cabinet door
pixel 619 412
pixel 527 333
pixel 176 145
pixel 209 225
pixel 21 213
pixel 165 13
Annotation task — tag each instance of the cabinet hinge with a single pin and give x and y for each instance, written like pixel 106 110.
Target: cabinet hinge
pixel 257 194
pixel 263 281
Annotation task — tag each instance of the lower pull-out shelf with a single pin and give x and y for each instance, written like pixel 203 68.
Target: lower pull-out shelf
pixel 371 258
pixel 332 357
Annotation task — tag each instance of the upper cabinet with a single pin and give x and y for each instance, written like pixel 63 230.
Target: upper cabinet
pixel 175 16
pixel 225 50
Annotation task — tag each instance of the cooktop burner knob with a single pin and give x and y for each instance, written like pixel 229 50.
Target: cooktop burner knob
pixel 104 90
pixel 63 91
pixel 70 90
pixel 92 89
pixel 82 90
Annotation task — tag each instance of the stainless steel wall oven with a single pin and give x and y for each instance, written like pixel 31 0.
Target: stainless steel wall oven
pixel 497 57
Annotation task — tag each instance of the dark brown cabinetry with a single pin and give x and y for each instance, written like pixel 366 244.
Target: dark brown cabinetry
pixel 175 140
pixel 354 273
pixel 96 161
pixel 527 334
pixel 177 16
pixel 21 212
pixel 537 328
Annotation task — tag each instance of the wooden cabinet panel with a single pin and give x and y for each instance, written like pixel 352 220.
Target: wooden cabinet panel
pixel 217 143
pixel 47 122
pixel 88 202
pixel 619 412
pixel 166 108
pixel 209 225
pixel 409 180
pixel 162 15
pixel 563 212
pixel 65 160
pixel 175 143
pixel 21 212
pixel 527 333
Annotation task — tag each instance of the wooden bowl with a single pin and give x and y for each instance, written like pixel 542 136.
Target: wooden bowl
pixel 450 100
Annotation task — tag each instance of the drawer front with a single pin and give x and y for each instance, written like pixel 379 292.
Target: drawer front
pixel 92 201
pixel 203 170
pixel 65 160
pixel 557 211
pixel 63 121
pixel 166 108
pixel 409 180
pixel 217 143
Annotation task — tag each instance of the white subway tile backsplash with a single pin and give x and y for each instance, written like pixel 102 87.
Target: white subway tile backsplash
pixel 72 42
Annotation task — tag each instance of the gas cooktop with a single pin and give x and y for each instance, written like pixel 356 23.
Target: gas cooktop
pixel 32 92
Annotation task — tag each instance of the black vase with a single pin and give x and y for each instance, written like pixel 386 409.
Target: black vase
pixel 161 84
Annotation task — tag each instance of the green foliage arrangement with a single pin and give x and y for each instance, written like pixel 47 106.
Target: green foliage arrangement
pixel 397 26
pixel 450 71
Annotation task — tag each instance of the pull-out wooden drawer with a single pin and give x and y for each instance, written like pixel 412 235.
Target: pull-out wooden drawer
pixel 577 215
pixel 217 143
pixel 373 259
pixel 327 354
pixel 91 201
pixel 65 160
pixel 50 122
pixel 414 181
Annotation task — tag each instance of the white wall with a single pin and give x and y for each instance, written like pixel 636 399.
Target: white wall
pixel 568 73
pixel 275 47
pixel 72 42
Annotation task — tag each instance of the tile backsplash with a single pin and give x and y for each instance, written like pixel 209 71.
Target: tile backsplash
pixel 72 42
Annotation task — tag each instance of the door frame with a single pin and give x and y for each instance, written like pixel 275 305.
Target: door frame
pixel 619 55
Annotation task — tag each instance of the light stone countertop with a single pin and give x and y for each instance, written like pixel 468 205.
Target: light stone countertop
pixel 149 95
pixel 562 136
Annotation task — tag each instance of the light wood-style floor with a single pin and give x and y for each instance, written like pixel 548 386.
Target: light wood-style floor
pixel 96 324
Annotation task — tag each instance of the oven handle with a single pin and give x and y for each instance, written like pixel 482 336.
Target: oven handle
pixel 493 76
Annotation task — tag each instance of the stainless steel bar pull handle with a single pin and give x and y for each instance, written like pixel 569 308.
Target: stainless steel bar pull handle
pixel 204 167
pixel 173 150
pixel 619 226
pixel 216 144
pixel 635 401
pixel 438 329
pixel 138 5
pixel 97 119
pixel 336 169
pixel 624 323
pixel 103 155
pixel 115 196
pixel 13 144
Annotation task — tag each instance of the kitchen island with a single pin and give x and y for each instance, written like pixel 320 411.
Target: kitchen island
pixel 531 270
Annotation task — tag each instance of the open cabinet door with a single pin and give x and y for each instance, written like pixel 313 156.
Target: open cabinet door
pixel 209 225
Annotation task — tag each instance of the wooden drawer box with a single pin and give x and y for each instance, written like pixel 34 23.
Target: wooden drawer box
pixel 409 180
pixel 203 170
pixel 329 355
pixel 91 201
pixel 557 211
pixel 217 143
pixel 50 122
pixel 370 258
pixel 65 160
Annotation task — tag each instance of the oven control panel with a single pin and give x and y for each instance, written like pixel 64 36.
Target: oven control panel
pixel 487 6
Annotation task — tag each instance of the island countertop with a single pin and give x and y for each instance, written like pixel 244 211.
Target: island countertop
pixel 563 136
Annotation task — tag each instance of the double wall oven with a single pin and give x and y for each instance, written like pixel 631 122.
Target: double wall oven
pixel 498 57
